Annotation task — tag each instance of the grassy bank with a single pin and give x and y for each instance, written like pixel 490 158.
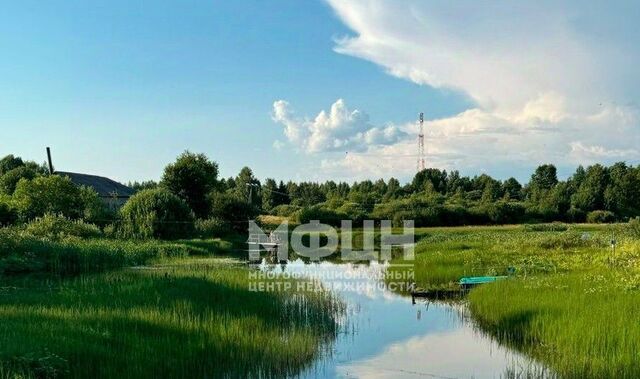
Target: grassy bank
pixel 187 320
pixel 572 303
pixel 22 253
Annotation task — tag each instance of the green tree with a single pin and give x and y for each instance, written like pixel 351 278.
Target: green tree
pixel 95 210
pixel 380 189
pixel 544 178
pixel 9 163
pixel 10 179
pixel 142 185
pixel 512 188
pixel 283 194
pixel 246 184
pixel 8 213
pixel 491 192
pixel 437 179
pixel 269 195
pixel 590 194
pixel 233 209
pixel 156 213
pixel 622 194
pixel 192 177
pixel 393 190
pixel 48 194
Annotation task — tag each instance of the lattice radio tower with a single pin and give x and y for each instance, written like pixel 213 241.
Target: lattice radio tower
pixel 421 144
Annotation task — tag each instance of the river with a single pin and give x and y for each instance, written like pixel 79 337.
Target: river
pixel 384 335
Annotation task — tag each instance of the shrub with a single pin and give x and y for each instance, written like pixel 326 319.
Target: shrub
pixel 324 215
pixel 576 215
pixel 634 227
pixel 9 181
pixel 285 210
pixel 566 240
pixel 454 215
pixel 232 209
pixel 505 212
pixel 353 211
pixel 110 231
pixel 48 194
pixel 600 217
pixel 8 213
pixel 9 162
pixel 211 227
pixel 58 227
pixel 552 227
pixel 95 210
pixel 155 213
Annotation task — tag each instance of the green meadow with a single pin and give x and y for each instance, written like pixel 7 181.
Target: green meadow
pixel 179 317
pixel 572 302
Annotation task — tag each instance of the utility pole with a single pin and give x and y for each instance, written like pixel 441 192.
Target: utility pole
pixel 251 185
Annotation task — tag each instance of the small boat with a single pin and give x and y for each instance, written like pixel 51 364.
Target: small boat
pixel 472 281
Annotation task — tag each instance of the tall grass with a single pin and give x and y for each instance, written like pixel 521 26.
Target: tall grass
pixel 581 325
pixel 197 320
pixel 573 303
pixel 22 252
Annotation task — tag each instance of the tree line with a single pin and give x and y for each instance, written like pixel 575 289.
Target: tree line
pixel 191 198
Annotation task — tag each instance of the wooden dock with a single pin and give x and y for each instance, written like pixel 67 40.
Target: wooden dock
pixel 465 284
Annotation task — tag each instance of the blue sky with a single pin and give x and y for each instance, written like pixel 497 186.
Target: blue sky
pixel 119 88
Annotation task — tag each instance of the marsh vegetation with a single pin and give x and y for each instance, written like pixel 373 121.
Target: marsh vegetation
pixel 572 303
pixel 193 318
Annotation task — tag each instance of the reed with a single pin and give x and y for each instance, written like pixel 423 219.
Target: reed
pixel 572 303
pixel 181 320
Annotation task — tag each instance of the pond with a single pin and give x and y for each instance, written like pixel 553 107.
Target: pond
pixel 384 335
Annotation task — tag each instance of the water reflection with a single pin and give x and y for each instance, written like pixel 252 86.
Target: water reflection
pixel 384 335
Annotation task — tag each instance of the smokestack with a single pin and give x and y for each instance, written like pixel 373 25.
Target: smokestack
pixel 49 159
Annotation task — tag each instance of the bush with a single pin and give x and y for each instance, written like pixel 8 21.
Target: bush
pixel 565 240
pixel 211 227
pixel 8 214
pixel 155 213
pixel 232 209
pixel 576 215
pixel 353 212
pixel 324 215
pixel 600 217
pixel 503 212
pixel 634 227
pixel 48 194
pixel 285 210
pixel 58 227
pixel 552 227
pixel 9 181
pixel 95 210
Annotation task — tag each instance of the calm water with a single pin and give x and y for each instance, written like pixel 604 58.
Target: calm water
pixel 384 335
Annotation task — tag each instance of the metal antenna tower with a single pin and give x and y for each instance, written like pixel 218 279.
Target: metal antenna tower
pixel 421 144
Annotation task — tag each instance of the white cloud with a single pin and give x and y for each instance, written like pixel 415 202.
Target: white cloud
pixel 477 140
pixel 502 55
pixel 547 79
pixel 340 129
pixel 594 153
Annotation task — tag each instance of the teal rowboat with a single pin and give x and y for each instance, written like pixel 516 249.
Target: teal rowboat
pixel 473 281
